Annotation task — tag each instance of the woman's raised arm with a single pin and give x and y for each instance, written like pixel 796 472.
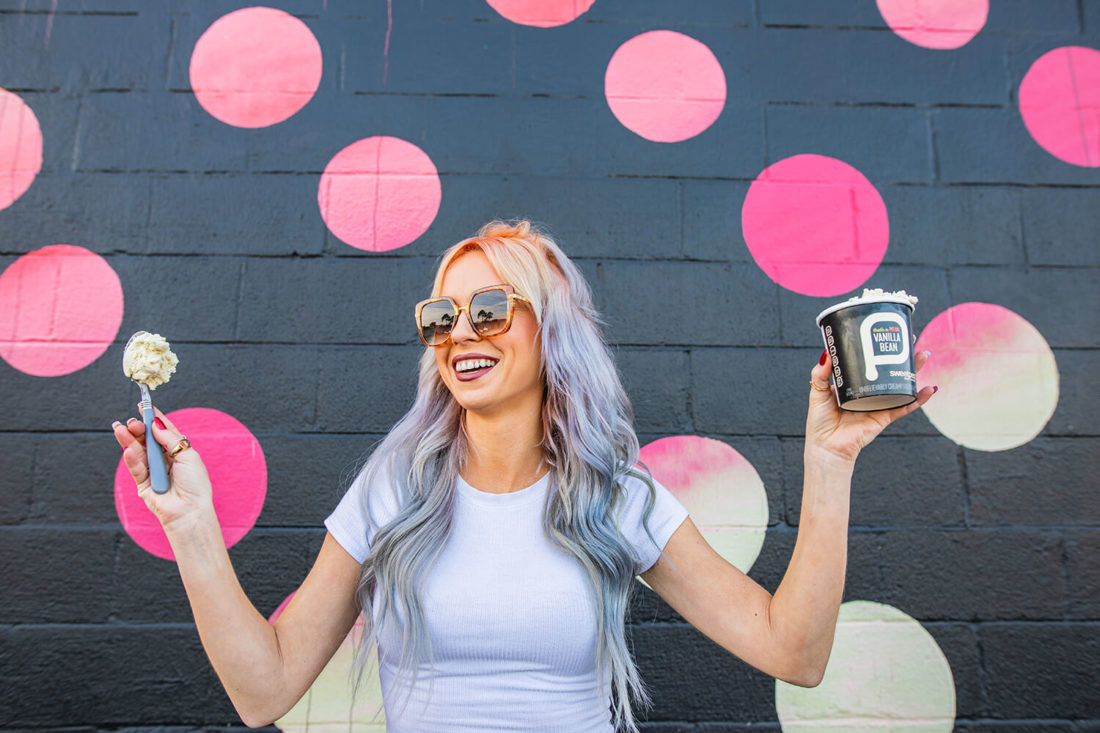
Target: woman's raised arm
pixel 788 635
pixel 264 667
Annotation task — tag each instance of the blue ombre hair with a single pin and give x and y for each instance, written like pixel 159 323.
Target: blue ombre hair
pixel 588 441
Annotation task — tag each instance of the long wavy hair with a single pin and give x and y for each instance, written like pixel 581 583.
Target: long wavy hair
pixel 588 441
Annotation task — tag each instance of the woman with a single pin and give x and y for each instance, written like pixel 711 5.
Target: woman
pixel 493 537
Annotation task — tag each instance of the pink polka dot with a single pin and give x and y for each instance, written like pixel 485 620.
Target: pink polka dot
pixel 720 489
pixel 1060 104
pixel 541 13
pixel 997 376
pixel 20 147
pixel 255 67
pixel 379 193
pixel 665 86
pixel 938 24
pixel 282 607
pixel 237 469
pixel 60 308
pixel 815 225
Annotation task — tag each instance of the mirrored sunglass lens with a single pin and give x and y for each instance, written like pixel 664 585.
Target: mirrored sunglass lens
pixel 489 311
pixel 436 321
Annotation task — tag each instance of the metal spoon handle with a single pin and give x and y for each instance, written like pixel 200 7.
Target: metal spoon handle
pixel 158 473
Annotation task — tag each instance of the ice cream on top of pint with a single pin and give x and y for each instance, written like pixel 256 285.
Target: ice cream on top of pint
pixel 148 359
pixel 873 293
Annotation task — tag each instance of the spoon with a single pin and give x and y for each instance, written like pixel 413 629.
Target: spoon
pixel 158 473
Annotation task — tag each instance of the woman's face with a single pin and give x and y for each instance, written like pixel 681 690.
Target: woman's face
pixel 511 381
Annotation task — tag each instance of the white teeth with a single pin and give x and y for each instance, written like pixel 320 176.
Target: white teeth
pixel 469 365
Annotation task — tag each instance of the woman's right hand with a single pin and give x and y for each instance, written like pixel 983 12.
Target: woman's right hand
pixel 189 498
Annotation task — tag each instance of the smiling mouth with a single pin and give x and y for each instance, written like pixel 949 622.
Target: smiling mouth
pixel 467 369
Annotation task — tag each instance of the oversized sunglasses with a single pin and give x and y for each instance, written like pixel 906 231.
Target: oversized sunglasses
pixel 489 310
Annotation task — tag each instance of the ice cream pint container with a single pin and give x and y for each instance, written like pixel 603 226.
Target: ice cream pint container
pixel 870 340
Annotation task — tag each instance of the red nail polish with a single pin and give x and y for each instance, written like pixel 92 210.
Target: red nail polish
pixel 824 358
pixel 159 423
pixel 935 389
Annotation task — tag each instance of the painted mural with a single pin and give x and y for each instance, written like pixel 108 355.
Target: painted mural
pixel 250 114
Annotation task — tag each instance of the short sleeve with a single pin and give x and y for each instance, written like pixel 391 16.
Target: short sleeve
pixel 665 518
pixel 369 504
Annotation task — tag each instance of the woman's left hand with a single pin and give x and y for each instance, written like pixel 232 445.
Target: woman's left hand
pixel 842 433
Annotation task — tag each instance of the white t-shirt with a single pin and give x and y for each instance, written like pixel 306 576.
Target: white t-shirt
pixel 511 618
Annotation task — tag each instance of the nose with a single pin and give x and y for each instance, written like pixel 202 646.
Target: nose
pixel 464 330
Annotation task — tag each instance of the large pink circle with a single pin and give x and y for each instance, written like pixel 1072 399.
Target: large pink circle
pixel 255 67
pixel 938 24
pixel 541 13
pixel 1060 104
pixel 815 225
pixel 238 472
pixel 997 376
pixel 665 86
pixel 20 147
pixel 379 193
pixel 60 308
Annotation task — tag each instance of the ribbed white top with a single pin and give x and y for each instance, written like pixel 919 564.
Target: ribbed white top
pixel 510 616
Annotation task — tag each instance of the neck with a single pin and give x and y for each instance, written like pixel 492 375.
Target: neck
pixel 504 454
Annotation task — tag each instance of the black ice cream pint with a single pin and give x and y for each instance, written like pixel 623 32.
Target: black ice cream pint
pixel 870 344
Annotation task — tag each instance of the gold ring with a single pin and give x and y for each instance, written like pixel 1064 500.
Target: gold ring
pixel 819 389
pixel 181 446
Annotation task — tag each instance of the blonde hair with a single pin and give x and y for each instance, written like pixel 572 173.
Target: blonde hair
pixel 588 441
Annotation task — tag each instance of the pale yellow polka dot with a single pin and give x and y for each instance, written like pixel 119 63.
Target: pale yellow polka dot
pixel 328 705
pixel 886 673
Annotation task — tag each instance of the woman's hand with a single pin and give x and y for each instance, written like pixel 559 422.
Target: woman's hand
pixel 189 496
pixel 843 434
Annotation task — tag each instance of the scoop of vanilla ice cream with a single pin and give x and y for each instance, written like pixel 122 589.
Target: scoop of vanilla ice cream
pixel 148 359
pixel 879 292
pixel 872 293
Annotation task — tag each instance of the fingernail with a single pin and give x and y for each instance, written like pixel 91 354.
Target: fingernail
pixel 116 424
pixel 927 352
pixel 824 358
pixel 935 389
pixel 159 423
pixel 132 419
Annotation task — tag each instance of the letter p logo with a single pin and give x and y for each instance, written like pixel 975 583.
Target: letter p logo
pixel 893 350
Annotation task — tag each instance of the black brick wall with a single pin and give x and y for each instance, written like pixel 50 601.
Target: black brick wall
pixel 215 235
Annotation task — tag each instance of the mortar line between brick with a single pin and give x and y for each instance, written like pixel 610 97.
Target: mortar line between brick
pixel 933 151
pixel 964 475
pixel 30 491
pixel 1009 81
pixel 148 212
pixel 983 672
pixel 106 13
pixel 1067 592
pixel 171 52
pixel 341 65
pixel 512 59
pixel 1021 230
pixel 914 264
pixel 240 300
pixel 683 261
pixel 683 215
pixel 764 132
pixel 167 625
pixel 317 390
pixel 690 402
pixel 75 161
